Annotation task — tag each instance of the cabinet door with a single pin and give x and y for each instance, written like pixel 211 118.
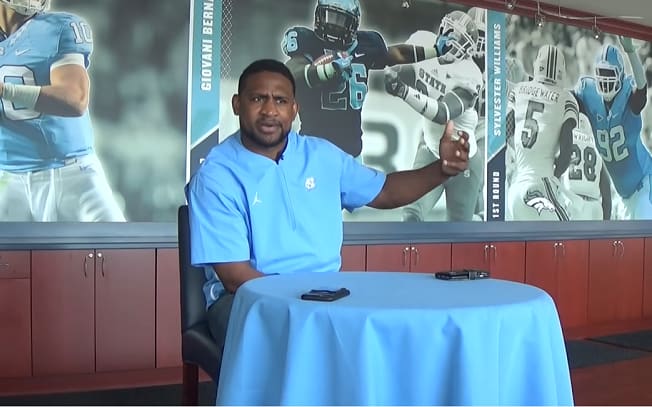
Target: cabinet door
pixel 389 257
pixel 15 319
pixel 507 261
pixel 354 258
pixel 15 264
pixel 541 266
pixel 430 258
pixel 615 280
pixel 561 269
pixel 647 279
pixel 470 255
pixel 63 312
pixel 168 309
pixel 124 309
pixel 573 282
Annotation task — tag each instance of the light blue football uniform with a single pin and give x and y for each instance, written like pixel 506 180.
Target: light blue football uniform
pixel 29 140
pixel 48 168
pixel 617 134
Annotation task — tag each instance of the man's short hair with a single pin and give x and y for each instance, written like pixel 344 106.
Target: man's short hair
pixel 265 65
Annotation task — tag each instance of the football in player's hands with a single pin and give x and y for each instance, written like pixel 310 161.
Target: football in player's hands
pixel 324 59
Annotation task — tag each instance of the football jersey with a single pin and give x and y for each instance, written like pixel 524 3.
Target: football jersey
pixel 583 174
pixel 30 140
pixel 434 78
pixel 539 111
pixel 617 134
pixel 333 110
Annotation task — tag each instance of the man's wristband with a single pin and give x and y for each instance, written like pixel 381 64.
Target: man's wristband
pixel 22 95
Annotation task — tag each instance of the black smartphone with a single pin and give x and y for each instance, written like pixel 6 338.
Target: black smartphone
pixel 325 295
pixel 465 274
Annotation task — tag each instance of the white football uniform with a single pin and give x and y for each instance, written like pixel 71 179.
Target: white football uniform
pixel 435 79
pixel 539 111
pixel 582 179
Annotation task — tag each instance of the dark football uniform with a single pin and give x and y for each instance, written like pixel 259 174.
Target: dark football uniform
pixel 333 110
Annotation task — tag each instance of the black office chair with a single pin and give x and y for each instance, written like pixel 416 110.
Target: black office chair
pixel 198 348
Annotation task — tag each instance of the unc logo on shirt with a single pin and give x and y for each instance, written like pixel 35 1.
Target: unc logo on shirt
pixel 256 200
pixel 310 183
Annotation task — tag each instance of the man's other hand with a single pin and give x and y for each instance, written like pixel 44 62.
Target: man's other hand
pixel 454 150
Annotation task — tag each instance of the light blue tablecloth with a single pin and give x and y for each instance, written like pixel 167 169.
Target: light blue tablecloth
pixel 398 339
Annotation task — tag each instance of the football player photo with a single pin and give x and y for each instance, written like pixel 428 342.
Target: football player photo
pixel 578 139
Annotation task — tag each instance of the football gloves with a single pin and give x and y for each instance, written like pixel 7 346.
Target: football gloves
pixel 442 45
pixel 343 67
pixel 393 85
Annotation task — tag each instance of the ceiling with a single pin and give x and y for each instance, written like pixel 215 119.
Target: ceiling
pixel 611 8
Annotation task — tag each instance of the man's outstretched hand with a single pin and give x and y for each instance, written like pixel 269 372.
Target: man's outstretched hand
pixel 453 150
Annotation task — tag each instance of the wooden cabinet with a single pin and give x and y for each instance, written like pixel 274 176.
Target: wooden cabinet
pixel 647 279
pixel 92 310
pixel 354 258
pixel 615 280
pixel 505 260
pixel 561 268
pixel 125 310
pixel 15 325
pixel 168 311
pixel 416 258
pixel 63 312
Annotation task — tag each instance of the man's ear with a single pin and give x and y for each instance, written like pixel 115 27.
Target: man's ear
pixel 235 104
pixel 295 109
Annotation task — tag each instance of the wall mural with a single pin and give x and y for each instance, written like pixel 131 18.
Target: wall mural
pixel 120 159
pixel 559 121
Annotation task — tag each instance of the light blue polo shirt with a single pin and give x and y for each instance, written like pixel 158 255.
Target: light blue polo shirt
pixel 284 217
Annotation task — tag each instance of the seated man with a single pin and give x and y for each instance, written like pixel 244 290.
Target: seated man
pixel 269 201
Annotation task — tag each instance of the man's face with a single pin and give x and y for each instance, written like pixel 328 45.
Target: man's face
pixel 266 108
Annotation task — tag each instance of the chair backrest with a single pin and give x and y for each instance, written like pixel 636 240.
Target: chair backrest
pixel 193 303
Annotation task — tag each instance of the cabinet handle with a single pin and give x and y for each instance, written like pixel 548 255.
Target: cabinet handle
pixel 100 257
pixel 88 256
pixel 4 265
pixel 563 249
pixel 404 261
pixel 618 244
pixel 486 253
pixel 494 250
pixel 416 258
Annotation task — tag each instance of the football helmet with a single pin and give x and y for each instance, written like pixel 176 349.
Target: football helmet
pixel 337 21
pixel 462 34
pixel 550 65
pixel 27 7
pixel 479 17
pixel 609 71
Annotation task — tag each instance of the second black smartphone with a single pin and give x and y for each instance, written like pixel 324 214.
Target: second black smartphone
pixel 465 274
pixel 325 295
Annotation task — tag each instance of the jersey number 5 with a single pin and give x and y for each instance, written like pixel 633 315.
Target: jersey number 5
pixel 531 126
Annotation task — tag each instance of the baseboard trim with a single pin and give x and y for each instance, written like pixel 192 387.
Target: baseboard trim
pixel 92 382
